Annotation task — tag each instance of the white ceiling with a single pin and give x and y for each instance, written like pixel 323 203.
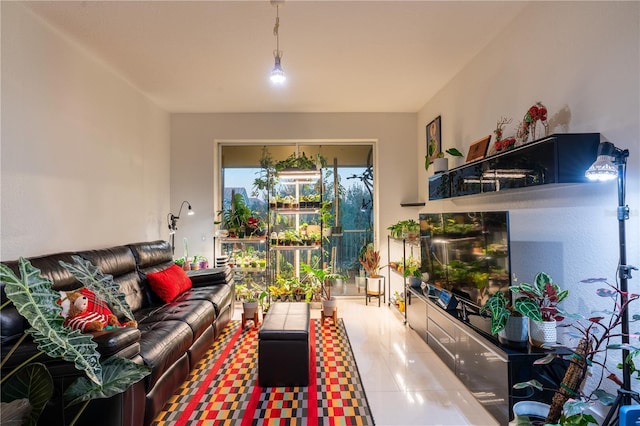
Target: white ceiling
pixel 339 56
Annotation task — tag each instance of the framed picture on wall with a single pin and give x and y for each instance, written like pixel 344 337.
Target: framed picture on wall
pixel 478 149
pixel 434 139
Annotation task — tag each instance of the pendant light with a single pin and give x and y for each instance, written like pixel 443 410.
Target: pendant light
pixel 277 74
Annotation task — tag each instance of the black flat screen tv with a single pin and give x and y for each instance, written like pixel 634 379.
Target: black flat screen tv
pixel 467 254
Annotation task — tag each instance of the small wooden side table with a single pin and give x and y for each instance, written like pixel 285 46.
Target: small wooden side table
pixel 334 317
pixel 255 319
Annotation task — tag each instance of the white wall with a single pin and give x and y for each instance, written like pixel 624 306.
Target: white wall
pixel 85 156
pixel 192 156
pixel 582 60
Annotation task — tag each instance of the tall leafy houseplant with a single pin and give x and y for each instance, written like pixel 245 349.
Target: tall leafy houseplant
pixel 34 298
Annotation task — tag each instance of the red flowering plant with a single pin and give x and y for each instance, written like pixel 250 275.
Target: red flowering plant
pixel 255 226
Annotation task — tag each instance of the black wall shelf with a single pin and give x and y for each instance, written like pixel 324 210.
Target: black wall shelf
pixel 559 158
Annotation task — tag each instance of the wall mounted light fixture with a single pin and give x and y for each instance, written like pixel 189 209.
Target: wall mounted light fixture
pixel 172 222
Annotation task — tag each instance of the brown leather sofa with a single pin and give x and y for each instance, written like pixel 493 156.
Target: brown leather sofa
pixel 170 338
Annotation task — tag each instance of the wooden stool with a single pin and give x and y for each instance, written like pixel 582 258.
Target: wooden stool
pixel 255 319
pixel 334 318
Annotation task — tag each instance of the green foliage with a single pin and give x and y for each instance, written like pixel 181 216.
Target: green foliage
pixel 545 294
pixel 35 300
pixel 102 285
pixel 528 308
pixel 34 381
pixel 498 306
pixel 117 375
pixel 33 297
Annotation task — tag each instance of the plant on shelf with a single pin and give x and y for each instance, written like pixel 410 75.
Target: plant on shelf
pixel 432 149
pixel 370 260
pixel 597 334
pixel 506 322
pixel 539 302
pixel 236 215
pixel 33 297
pixel 409 229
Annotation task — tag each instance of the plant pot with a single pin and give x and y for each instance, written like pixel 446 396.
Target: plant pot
pixel 515 333
pixel 328 306
pixel 440 165
pixel 415 282
pixel 542 333
pixel 375 285
pixel 532 411
pixel 249 309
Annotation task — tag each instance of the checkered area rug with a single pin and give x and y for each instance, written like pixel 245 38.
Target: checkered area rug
pixel 223 388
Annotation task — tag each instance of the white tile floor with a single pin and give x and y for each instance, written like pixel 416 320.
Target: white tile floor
pixel 405 382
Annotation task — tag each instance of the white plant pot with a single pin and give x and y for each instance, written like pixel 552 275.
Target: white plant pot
pixel 249 309
pixel 542 333
pixel 440 165
pixel 530 410
pixel 515 333
pixel 375 285
pixel 328 306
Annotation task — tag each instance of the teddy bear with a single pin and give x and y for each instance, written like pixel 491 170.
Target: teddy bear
pixel 84 312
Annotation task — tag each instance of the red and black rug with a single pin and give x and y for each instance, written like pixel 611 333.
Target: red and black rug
pixel 223 388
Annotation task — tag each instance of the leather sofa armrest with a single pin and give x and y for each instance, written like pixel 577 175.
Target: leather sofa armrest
pixel 208 277
pixel 114 341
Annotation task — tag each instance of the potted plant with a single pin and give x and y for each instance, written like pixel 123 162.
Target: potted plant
pixel 319 278
pixel 412 271
pixel 539 302
pixel 33 297
pixel 440 163
pixel 370 260
pixel 251 295
pixel 597 334
pixel 236 215
pixel 507 323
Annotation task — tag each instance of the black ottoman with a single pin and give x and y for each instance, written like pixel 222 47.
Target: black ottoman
pixel 283 346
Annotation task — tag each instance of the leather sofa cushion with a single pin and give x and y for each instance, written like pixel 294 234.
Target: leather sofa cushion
pixel 115 261
pixel 197 314
pixel 49 268
pixel 152 253
pixel 161 345
pixel 111 342
pixel 220 295
pixel 121 264
pixel 12 325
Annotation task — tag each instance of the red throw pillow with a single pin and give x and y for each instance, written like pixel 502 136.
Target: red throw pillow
pixel 169 283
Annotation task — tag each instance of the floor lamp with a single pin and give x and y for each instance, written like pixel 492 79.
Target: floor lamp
pixel 172 222
pixel 610 164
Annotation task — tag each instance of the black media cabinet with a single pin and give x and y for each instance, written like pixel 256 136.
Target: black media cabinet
pixel 488 369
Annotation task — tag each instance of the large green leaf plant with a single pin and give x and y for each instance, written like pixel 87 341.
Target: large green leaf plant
pixel 34 298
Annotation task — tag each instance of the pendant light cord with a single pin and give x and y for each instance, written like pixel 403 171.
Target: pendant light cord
pixel 276 29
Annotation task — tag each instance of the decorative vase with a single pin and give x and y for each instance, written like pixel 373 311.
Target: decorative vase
pixel 515 332
pixel 440 165
pixel 542 333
